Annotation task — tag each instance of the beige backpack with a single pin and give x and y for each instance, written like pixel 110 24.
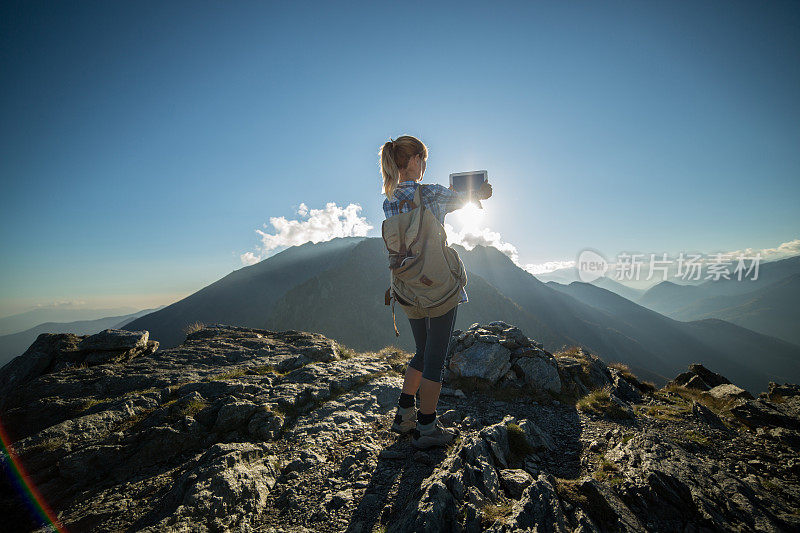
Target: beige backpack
pixel 426 275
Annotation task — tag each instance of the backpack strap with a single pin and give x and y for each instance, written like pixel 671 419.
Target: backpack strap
pixel 418 198
pixel 391 297
pixel 416 203
pixel 406 202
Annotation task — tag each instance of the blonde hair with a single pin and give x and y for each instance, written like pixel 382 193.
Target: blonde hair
pixel 394 156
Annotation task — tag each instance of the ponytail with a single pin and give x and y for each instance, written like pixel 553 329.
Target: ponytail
pixel 394 156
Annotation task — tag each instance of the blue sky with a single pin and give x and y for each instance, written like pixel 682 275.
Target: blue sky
pixel 142 144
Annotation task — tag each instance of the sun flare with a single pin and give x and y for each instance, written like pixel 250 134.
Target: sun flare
pixel 469 217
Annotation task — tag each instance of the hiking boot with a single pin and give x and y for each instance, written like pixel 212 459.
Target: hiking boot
pixel 405 420
pixel 433 434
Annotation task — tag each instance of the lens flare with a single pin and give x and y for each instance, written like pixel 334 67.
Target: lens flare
pixel 25 486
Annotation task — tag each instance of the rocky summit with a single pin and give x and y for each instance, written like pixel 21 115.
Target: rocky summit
pixel 240 429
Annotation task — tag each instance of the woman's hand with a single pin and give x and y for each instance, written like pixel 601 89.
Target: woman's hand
pixel 485 191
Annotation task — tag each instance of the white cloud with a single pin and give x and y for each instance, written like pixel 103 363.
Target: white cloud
pixel 249 258
pixel 786 249
pixel 471 237
pixel 315 225
pixel 548 266
pixel 62 303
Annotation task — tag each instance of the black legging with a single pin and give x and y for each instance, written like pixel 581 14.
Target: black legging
pixel 432 340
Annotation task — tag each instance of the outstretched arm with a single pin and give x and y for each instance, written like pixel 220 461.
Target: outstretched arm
pixel 452 200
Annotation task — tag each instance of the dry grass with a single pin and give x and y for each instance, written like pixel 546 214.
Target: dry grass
pixel 718 405
pixel 231 374
pixel 494 512
pixel 193 407
pixel 345 352
pixel 624 369
pixel 194 326
pixel 567 489
pixel 570 351
pixel 92 402
pixel 599 402
pixel 667 413
pixel 398 359
pixel 607 472
pixel 696 437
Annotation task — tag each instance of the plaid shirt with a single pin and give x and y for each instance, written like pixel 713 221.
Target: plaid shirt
pixel 439 199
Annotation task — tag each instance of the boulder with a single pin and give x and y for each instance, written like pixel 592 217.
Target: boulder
pixel 539 373
pixel 729 392
pixel 114 340
pixel 515 480
pixel 489 361
pixel 712 379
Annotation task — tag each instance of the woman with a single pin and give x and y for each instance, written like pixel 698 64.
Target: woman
pixel 403 163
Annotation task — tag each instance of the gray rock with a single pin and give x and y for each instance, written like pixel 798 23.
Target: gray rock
pixel 265 424
pixel 539 505
pixel 707 416
pixel 622 389
pixel 697 383
pixel 114 340
pixel 515 481
pixel 729 392
pixel 487 361
pixel 683 378
pixel 537 438
pixel 497 326
pixel 233 415
pixel 539 373
pixel 712 379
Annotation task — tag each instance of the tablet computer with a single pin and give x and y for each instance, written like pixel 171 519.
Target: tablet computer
pixel 465 181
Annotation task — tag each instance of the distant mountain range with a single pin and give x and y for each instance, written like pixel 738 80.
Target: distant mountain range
pixel 336 288
pixel 22 321
pixel 15 344
pixel 767 305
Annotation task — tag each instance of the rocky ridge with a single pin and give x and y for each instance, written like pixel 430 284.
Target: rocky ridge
pixel 255 430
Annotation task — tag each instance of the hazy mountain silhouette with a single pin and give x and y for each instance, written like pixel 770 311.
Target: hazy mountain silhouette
pixel 771 310
pixel 764 305
pixel 568 275
pixel 22 321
